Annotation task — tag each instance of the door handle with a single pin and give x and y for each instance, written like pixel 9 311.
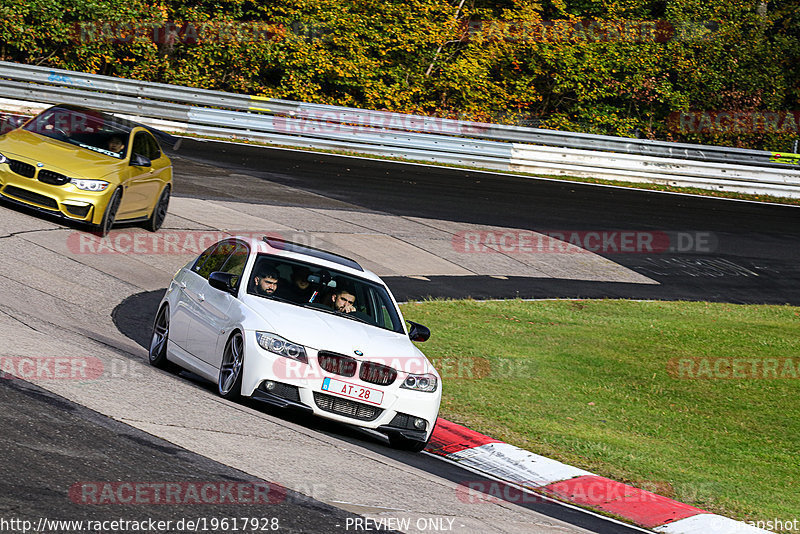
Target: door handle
pixel 181 285
pixel 201 297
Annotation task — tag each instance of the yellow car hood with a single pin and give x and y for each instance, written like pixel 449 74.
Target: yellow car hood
pixel 58 156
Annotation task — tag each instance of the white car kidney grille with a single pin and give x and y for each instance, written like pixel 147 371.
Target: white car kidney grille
pixel 375 373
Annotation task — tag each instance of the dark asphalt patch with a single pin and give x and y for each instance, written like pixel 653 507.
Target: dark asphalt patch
pixel 54 449
pixel 694 281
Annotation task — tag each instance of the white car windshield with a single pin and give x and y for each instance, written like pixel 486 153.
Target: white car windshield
pixel 326 290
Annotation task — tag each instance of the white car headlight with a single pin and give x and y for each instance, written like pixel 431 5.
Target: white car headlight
pixel 427 383
pixel 280 346
pixel 89 185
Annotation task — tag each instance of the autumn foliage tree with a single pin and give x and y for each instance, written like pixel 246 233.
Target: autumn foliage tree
pixel 620 67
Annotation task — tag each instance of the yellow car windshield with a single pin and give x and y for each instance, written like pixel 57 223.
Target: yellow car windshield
pixel 92 130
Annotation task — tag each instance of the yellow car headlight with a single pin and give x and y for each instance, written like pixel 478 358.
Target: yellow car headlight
pixel 89 185
pixel 3 159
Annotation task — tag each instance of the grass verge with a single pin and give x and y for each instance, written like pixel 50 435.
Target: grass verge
pixel 660 395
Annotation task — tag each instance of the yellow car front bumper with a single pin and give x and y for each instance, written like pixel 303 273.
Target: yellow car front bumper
pixel 62 200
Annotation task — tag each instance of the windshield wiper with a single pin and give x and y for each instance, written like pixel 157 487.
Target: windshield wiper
pixel 355 317
pixel 323 308
pixel 274 297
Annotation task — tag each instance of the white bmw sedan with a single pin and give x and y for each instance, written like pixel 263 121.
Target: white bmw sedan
pixel 298 327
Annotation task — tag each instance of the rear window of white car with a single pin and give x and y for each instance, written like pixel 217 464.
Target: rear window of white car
pixel 373 305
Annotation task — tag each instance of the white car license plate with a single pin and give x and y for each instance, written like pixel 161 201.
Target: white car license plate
pixel 354 391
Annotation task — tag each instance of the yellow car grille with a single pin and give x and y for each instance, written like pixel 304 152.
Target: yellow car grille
pixel 23 169
pixel 52 178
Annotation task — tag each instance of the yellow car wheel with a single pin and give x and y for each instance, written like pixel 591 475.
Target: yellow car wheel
pixel 159 212
pixel 111 213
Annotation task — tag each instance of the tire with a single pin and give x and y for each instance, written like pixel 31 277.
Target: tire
pixel 110 215
pixel 229 384
pixel 159 211
pixel 159 339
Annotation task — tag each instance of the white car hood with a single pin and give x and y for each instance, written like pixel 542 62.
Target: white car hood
pixel 325 331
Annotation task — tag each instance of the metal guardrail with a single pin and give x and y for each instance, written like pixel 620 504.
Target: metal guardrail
pixel 380 119
pixel 494 146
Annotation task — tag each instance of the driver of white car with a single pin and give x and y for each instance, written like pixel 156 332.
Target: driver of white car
pixel 266 282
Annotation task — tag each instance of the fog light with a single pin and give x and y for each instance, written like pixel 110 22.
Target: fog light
pixel 419 423
pixel 269 385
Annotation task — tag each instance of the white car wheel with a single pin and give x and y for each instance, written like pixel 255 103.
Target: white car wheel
pixel 230 372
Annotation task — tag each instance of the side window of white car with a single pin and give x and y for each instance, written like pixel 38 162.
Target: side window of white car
pixel 201 259
pixel 235 262
pixel 215 260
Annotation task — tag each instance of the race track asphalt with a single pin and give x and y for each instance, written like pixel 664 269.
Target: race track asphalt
pixel 718 250
pixel 748 254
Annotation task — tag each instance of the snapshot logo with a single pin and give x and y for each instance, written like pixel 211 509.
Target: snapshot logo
pixel 51 367
pixel 734 122
pixel 176 493
pixel 308 121
pixel 587 31
pixel 776 524
pixel 734 368
pixel 168 241
pixel 582 242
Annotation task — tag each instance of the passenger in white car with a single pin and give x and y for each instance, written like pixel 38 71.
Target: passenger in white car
pixel 300 290
pixel 343 300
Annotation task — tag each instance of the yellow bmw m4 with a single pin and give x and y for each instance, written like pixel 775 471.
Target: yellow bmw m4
pixel 87 166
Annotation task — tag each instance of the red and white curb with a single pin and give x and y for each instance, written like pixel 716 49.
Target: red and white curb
pixel 511 464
